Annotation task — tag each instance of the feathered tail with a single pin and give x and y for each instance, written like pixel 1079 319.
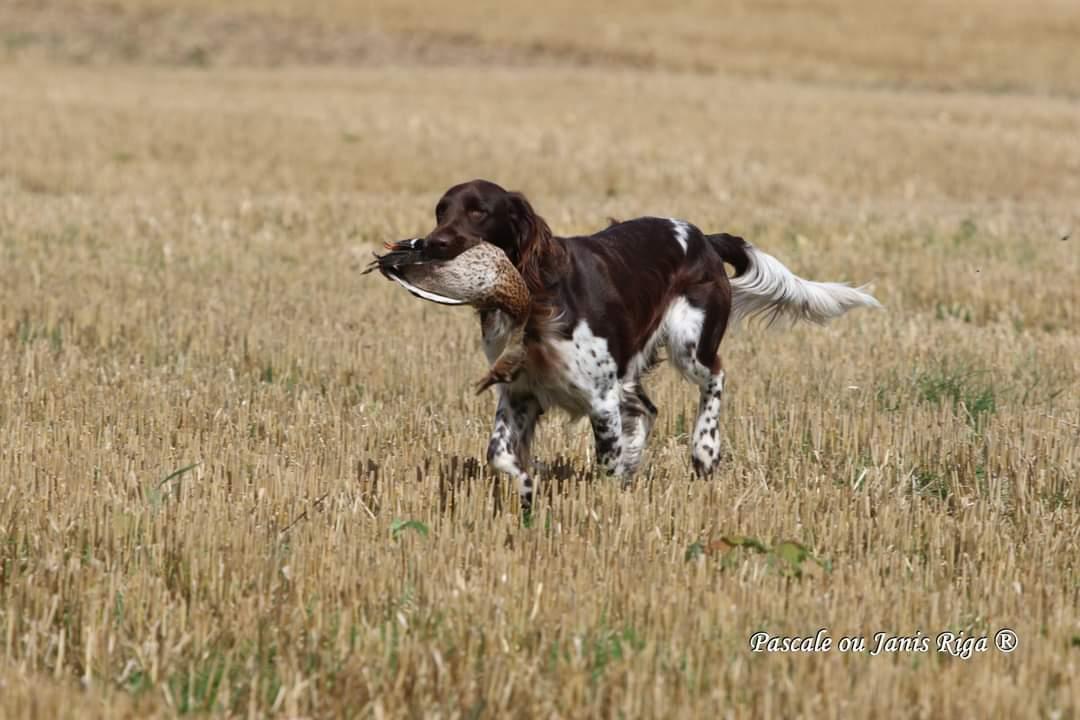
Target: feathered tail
pixel 764 286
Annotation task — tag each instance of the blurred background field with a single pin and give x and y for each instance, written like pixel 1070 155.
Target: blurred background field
pixel 238 477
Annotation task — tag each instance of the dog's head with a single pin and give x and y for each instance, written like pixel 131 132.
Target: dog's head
pixel 481 211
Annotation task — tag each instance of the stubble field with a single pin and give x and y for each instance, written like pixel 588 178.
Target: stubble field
pixel 238 477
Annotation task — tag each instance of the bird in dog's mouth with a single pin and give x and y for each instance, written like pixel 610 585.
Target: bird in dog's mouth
pixel 480 275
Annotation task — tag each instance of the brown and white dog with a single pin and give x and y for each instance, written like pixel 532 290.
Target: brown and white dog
pixel 603 306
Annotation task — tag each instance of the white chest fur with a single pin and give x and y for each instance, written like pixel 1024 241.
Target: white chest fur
pixel 579 375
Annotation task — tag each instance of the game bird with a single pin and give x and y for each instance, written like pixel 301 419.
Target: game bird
pixel 464 272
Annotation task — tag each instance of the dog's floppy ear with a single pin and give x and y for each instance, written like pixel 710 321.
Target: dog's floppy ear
pixel 519 205
pixel 523 222
pixel 532 237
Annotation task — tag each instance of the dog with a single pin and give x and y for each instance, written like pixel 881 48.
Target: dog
pixel 602 308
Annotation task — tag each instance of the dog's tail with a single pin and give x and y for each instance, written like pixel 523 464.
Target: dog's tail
pixel 762 285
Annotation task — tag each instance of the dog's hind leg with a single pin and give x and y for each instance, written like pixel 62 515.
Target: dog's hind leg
pixel 705 451
pixel 695 328
pixel 511 440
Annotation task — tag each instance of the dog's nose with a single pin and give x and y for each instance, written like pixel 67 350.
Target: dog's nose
pixel 437 245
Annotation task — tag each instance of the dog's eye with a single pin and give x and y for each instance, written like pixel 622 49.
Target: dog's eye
pixel 477 214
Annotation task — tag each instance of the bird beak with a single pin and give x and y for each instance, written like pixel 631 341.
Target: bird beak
pixel 410 244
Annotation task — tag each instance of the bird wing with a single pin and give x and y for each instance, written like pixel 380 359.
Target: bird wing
pixel 420 292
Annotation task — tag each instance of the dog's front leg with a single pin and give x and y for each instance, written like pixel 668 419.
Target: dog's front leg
pixel 511 439
pixel 638 415
pixel 606 419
